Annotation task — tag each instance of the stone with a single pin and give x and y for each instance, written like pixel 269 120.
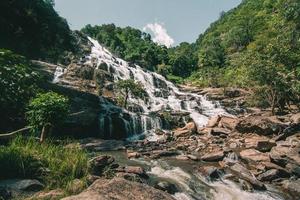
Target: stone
pixel 118 188
pixel 52 194
pixel 262 125
pixel 243 173
pixel 295 118
pixel 133 170
pixel 260 143
pixel 287 151
pixel 98 164
pixel 210 172
pixel 293 187
pixel 228 122
pixel 188 129
pixel 26 185
pixel 272 174
pixel 167 187
pixel 213 121
pixel 133 155
pixel 254 156
pixel 219 131
pixel 213 156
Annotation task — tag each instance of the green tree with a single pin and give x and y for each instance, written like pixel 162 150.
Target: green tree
pixel 18 83
pixel 130 87
pixel 47 110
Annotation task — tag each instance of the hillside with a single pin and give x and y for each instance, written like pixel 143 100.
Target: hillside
pixel 34 29
pixel 255 45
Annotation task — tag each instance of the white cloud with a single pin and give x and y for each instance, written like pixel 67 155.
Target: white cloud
pixel 160 34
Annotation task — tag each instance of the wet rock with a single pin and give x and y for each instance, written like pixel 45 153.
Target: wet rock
pixel 213 121
pixel 93 144
pixel 213 157
pixel 98 164
pixel 246 175
pixel 167 187
pixel 120 189
pixel 254 156
pixel 262 125
pixel 164 153
pixel 210 172
pixel 25 185
pixel 272 174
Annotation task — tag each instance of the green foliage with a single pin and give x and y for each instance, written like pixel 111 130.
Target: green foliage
pixel 257 46
pixel 47 109
pixel 18 83
pixel 54 164
pixel 33 28
pixel 129 87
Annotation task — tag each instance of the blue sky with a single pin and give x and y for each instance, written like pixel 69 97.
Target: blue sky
pixel 169 21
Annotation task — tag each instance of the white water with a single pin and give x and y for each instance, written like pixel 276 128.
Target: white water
pixel 57 74
pixel 219 190
pixel 170 97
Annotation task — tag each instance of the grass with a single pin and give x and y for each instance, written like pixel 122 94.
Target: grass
pixel 53 164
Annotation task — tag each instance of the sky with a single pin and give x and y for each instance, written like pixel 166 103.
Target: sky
pixel 170 22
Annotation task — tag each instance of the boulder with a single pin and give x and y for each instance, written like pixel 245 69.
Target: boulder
pixel 210 172
pixel 98 164
pixel 293 187
pixel 52 194
pixel 213 156
pixel 190 128
pixel 133 170
pixel 133 155
pixel 243 173
pixel 118 188
pixel 272 174
pixel 260 143
pixel 228 122
pixel 167 187
pixel 254 156
pixel 26 185
pixel 219 131
pixel 287 151
pixel 262 125
pixel 295 118
pixel 213 121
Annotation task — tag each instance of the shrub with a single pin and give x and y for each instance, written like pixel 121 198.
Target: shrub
pixel 47 110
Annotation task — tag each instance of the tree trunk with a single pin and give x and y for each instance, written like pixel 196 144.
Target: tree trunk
pixel 45 132
pixel 125 101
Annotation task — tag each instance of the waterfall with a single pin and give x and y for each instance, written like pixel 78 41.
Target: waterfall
pixel 59 71
pixel 162 94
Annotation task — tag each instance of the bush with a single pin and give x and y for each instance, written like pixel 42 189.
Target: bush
pixel 53 164
pixel 47 110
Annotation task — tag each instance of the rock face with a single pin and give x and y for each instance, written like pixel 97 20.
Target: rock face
pixel 120 189
pixel 254 156
pixel 261 125
pixel 214 156
pixel 189 129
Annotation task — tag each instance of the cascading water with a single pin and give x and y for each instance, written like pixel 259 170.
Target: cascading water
pixel 162 94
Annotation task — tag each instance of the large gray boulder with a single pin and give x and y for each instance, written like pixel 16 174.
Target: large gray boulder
pixel 120 189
